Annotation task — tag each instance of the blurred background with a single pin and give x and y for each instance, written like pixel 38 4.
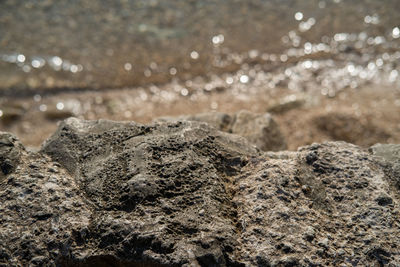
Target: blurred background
pixel 327 70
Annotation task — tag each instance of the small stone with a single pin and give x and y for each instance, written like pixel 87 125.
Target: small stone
pixel 38 260
pixel 286 104
pixel 53 170
pixel 384 200
pixel 340 252
pixel 309 234
pixel 37 175
pixel 306 189
pixel 323 242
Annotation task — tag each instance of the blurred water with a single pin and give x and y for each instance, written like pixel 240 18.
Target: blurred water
pixel 302 45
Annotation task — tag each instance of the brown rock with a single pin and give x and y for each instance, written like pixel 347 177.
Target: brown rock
pixel 346 127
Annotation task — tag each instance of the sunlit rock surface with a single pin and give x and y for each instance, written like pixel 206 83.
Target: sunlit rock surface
pixel 259 129
pixel 103 193
pixel 325 205
pixel 388 155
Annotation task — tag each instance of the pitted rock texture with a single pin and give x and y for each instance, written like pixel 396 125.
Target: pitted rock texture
pixel 103 193
pixel 42 213
pixel 325 205
pixel 160 193
pixel 259 129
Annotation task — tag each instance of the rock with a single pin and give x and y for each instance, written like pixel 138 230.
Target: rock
pixel 218 120
pixel 348 128
pixel 388 155
pixel 42 214
pixel 103 193
pixel 389 152
pixel 160 193
pixel 286 104
pixel 339 219
pixel 10 152
pixel 260 129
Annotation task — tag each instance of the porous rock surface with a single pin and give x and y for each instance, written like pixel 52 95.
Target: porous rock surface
pixel 325 205
pixel 259 129
pixel 103 193
pixel 127 194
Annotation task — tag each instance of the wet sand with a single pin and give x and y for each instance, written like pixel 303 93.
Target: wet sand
pixel 327 69
pixel 363 116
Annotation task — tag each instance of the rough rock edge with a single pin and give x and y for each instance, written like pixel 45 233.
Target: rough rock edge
pixel 312 167
pixel 259 129
pixel 84 146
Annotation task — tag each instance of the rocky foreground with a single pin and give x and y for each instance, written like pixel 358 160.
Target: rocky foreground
pixel 182 193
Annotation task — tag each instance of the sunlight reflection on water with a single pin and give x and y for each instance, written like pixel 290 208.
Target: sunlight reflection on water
pixel 324 45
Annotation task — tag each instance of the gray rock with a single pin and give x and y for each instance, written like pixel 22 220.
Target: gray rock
pixel 259 129
pixel 160 194
pixel 328 204
pixel 342 126
pixel 389 152
pixel 10 152
pixel 42 214
pixel 103 193
pixel 388 155
pixel 218 120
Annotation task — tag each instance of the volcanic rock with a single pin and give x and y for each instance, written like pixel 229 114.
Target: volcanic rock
pixel 259 129
pixel 159 194
pixel 325 205
pixel 388 155
pixel 103 193
pixel 10 152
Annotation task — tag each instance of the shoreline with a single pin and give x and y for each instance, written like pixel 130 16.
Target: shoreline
pixel 302 116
